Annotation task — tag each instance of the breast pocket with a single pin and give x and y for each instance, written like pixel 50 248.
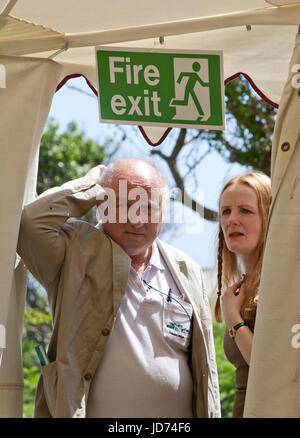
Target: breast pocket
pixel 177 322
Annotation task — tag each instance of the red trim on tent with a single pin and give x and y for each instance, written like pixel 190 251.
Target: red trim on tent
pixel 76 75
pixel 168 130
pixel 165 135
pixel 254 86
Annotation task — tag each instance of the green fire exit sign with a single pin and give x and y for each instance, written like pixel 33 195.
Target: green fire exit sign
pixel 161 87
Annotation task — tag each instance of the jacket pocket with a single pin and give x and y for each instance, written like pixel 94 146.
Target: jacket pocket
pixel 49 373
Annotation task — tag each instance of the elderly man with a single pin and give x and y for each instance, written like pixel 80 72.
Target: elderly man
pixel 132 332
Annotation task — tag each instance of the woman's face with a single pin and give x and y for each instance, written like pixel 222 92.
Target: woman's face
pixel 240 220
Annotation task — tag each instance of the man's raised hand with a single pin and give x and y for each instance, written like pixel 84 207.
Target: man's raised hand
pixel 95 173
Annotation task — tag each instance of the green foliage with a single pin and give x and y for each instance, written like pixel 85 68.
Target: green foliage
pixel 67 155
pixel 31 376
pixel 226 372
pixel 249 127
pixel 246 140
pixel 37 329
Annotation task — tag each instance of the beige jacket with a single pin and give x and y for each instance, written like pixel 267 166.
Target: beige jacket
pixel 85 274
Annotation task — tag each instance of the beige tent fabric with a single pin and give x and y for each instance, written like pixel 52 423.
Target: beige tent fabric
pixel 30 85
pixel 69 31
pixel 274 377
pixel 16 34
pixel 282 2
pixel 189 25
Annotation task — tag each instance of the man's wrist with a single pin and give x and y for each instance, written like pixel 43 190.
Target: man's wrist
pixel 233 319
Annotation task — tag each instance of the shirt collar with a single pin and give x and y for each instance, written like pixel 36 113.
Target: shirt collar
pixel 100 226
pixel 155 259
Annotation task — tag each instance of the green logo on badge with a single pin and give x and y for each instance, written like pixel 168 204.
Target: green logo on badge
pixel 177 330
pixel 161 88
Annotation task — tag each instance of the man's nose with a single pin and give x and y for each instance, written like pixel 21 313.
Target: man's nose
pixel 137 223
pixel 136 219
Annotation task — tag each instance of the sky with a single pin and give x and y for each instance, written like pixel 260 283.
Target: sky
pixel 194 236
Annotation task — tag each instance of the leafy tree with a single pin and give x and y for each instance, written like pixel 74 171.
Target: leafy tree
pixel 67 155
pixel 246 140
pixel 250 124
pixel 63 156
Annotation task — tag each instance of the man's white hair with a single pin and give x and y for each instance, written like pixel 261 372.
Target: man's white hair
pixel 108 173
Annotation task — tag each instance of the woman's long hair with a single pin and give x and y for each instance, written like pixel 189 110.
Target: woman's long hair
pixel 228 263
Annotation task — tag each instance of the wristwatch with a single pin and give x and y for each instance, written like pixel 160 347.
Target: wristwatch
pixel 234 329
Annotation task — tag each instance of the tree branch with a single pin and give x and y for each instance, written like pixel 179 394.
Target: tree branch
pixel 171 160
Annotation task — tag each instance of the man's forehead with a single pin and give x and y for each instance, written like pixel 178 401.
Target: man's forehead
pixel 134 181
pixel 136 172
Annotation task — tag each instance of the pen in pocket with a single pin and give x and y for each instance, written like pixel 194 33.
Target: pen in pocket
pixel 42 354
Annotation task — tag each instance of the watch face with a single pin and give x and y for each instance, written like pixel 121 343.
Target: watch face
pixel 233 330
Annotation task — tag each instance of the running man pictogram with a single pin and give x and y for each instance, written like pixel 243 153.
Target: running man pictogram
pixel 191 83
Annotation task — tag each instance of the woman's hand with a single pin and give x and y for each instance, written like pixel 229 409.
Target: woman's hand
pixel 231 303
pixel 231 307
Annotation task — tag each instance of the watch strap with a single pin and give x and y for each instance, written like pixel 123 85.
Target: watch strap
pixel 234 329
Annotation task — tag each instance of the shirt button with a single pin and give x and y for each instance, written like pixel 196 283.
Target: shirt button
pixel 285 147
pixel 87 376
pixel 105 332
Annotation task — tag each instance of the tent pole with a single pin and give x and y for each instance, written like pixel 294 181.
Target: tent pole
pixel 8 7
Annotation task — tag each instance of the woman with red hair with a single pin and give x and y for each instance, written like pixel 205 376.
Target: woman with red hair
pixel 243 215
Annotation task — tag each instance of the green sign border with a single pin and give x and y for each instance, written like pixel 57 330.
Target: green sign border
pixel 182 53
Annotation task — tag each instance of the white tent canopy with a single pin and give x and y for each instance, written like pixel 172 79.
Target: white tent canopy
pixel 43 43
pixel 68 31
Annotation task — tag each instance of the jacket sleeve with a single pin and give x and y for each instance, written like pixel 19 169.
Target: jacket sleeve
pixel 206 320
pixel 43 233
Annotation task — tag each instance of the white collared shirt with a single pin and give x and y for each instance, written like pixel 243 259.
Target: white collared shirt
pixel 144 371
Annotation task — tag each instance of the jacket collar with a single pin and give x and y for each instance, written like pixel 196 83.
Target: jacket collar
pixel 177 267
